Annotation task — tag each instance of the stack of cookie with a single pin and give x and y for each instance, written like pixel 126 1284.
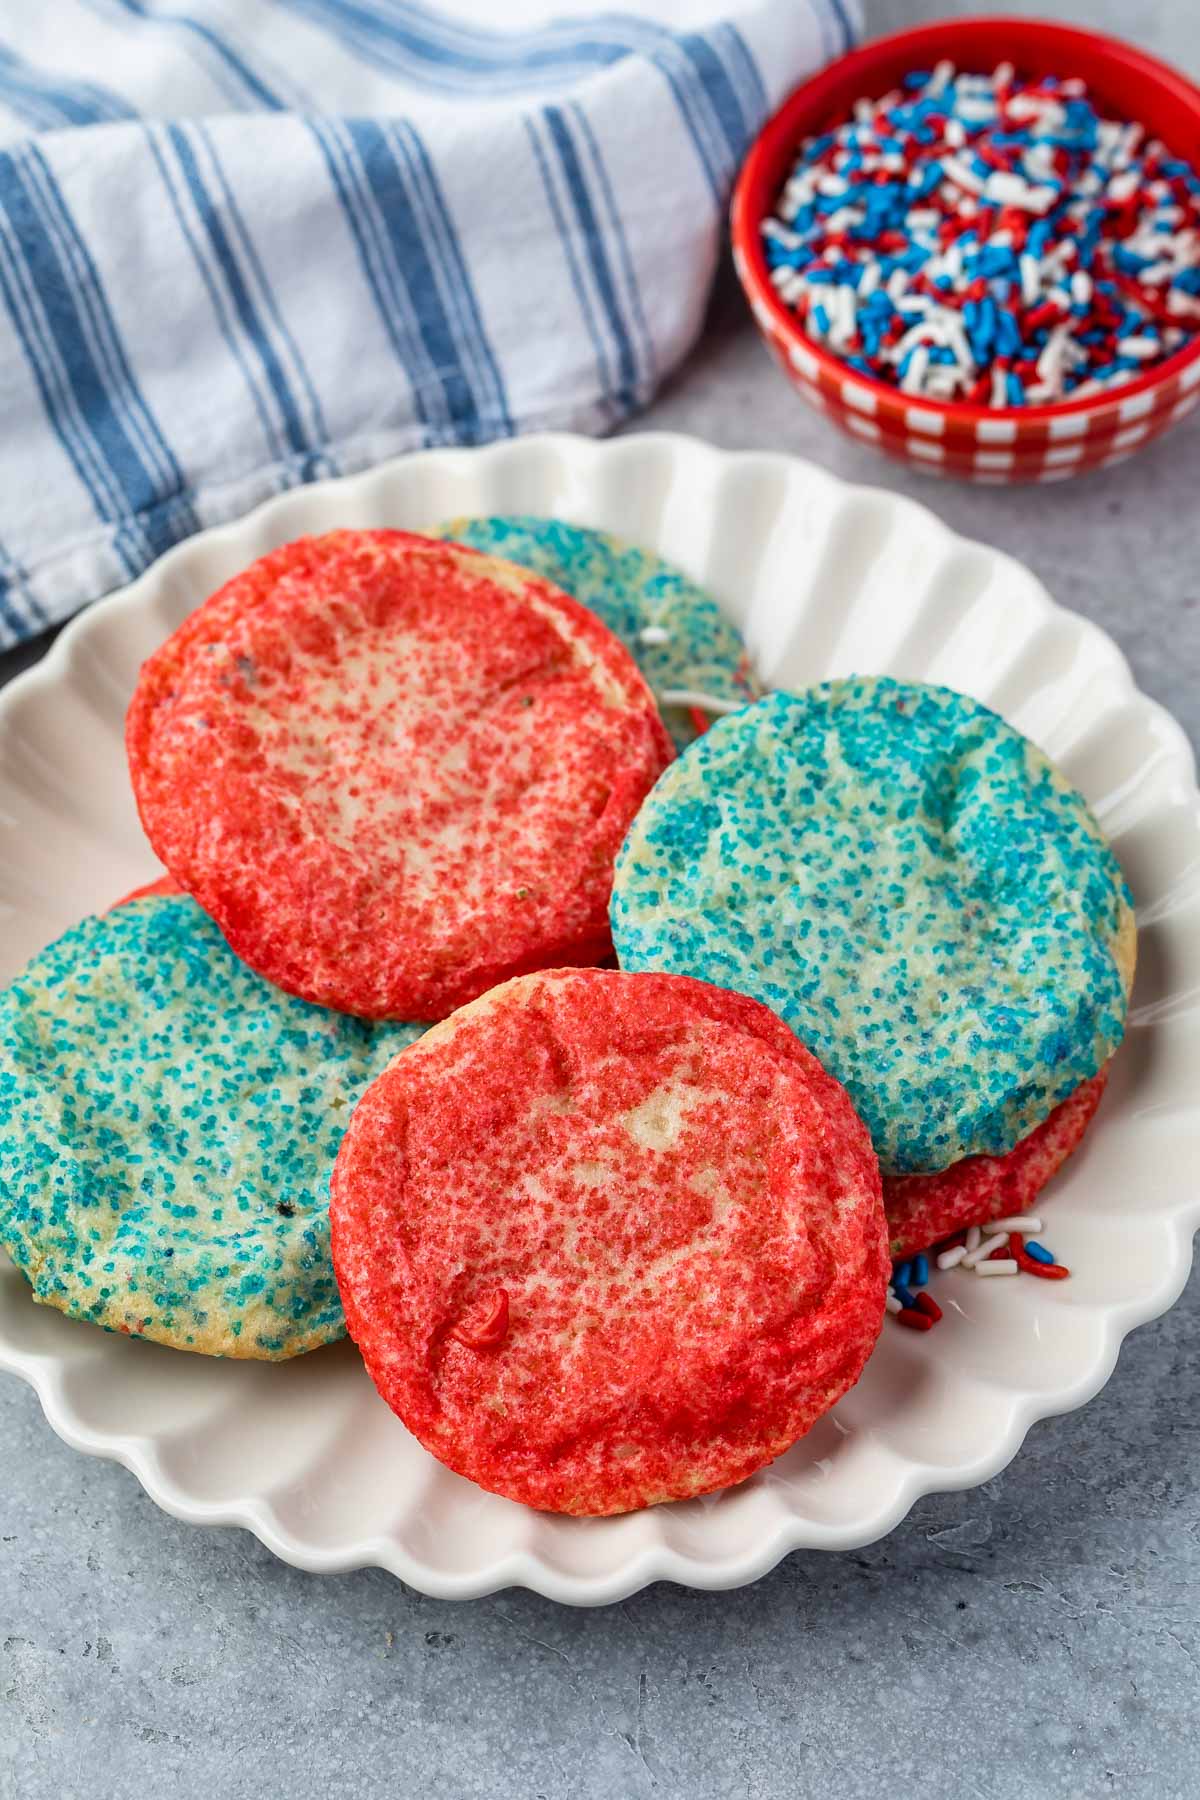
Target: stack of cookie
pixel 605 1236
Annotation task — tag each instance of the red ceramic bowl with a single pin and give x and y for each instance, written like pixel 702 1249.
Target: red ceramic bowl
pixel 990 444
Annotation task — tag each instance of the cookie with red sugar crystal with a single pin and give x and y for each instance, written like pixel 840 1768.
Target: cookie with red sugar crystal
pixel 394 771
pixel 608 1239
pixel 923 1209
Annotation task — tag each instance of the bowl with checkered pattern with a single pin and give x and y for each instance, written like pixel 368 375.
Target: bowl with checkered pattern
pixel 991 445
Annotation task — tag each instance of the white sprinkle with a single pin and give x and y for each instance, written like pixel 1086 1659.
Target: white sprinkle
pixel 923 332
pixel 942 76
pixel 915 375
pixel 1004 1265
pixel 977 111
pixel 870 281
pixel 1002 75
pixel 845 316
pixel 1139 346
pixel 1031 280
pixel 706 702
pixel 962 175
pixel 974 1237
pixel 955 134
pixel 996 1241
pixel 1008 189
pixel 1025 1223
pixel 892 1304
pixel 1124 186
pixel 654 634
pixel 941 382
pixel 1081 287
pixel 950 1259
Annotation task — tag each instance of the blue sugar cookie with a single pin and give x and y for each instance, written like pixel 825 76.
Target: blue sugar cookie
pixel 912 886
pixel 675 632
pixel 168 1124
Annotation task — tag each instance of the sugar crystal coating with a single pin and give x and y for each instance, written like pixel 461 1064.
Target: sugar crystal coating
pixel 609 1239
pixel 168 1123
pixel 675 632
pixel 394 770
pixel 912 886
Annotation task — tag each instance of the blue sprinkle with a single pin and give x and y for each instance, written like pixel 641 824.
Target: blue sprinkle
pixel 903 1294
pixel 921 1269
pixel 1038 1251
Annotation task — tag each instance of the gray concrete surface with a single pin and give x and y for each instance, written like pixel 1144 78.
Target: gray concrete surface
pixel 1034 1639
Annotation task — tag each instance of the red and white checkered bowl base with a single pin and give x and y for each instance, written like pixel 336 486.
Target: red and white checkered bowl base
pixel 1049 445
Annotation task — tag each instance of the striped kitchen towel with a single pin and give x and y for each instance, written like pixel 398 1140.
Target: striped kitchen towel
pixel 247 243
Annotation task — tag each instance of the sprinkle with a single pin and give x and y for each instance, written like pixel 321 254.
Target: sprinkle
pixel 928 1306
pixel 1033 1265
pixel 1038 1251
pixel 974 1238
pixel 914 1320
pixel 893 1305
pixel 654 634
pixel 920 1269
pixel 990 239
pixel 708 703
pixel 902 1276
pixel 902 1293
pixel 1016 1224
pixel 950 1259
pixel 1006 1265
pixel 982 1251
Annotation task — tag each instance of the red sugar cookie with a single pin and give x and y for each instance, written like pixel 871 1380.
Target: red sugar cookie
pixel 394 771
pixel 922 1209
pixel 606 1239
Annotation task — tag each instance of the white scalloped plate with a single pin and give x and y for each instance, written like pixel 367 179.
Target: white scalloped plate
pixel 824 579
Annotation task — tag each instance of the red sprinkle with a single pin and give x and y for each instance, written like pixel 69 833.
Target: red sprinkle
pixel 1029 1265
pixel 914 1320
pixel 490 1329
pixel 928 1305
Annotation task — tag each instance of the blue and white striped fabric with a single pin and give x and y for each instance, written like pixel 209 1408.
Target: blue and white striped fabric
pixel 247 243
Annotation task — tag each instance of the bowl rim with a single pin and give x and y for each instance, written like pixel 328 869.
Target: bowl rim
pixel 781 133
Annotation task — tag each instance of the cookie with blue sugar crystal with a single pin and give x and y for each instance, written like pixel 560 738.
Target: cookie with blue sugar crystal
pixel 912 886
pixel 675 632
pixel 168 1123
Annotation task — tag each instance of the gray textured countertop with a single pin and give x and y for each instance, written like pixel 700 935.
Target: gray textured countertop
pixel 1039 1636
